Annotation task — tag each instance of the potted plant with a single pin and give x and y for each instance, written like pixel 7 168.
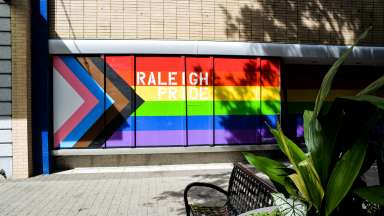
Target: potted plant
pixel 326 177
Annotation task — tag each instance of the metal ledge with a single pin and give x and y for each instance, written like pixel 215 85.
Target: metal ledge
pixel 163 150
pixel 290 53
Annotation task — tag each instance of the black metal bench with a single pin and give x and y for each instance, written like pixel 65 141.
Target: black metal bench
pixel 245 192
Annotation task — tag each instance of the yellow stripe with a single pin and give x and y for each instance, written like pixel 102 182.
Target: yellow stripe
pixel 161 93
pixel 309 95
pixel 174 93
pixel 246 93
pixel 204 93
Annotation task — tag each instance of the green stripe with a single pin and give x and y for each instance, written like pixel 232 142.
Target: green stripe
pixel 162 108
pixel 270 107
pixel 178 108
pixel 200 108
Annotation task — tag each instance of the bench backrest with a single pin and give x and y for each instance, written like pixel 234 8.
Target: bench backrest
pixel 246 191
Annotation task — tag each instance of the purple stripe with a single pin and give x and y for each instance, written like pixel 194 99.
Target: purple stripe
pixel 195 137
pixel 236 137
pixel 121 139
pixel 160 138
pixel 200 137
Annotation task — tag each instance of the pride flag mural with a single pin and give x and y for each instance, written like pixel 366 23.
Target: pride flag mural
pixel 148 101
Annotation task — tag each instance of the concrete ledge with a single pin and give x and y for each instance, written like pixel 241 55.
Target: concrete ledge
pixel 74 161
pixel 290 53
pixel 162 150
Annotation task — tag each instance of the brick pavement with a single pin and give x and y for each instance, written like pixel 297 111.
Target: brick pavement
pixel 111 193
pixel 140 191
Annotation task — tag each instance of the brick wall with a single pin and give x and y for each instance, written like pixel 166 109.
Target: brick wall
pixel 21 94
pixel 5 89
pixel 291 21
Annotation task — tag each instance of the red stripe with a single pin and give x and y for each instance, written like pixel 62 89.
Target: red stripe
pixel 158 69
pixel 123 66
pixel 199 67
pixel 270 72
pixel 169 71
pixel 237 72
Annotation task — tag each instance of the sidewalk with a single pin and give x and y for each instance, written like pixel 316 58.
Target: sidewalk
pixel 133 191
pixel 114 192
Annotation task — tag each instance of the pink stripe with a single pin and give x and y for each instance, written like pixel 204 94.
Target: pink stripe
pixel 90 101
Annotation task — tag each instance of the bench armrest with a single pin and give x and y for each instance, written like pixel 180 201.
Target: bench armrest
pixel 199 184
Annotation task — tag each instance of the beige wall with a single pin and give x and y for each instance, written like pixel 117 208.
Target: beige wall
pixel 292 21
pixel 21 91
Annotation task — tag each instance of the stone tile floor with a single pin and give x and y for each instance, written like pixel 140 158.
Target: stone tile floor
pixel 133 191
pixel 107 192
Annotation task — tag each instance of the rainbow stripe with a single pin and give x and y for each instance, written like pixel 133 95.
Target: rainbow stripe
pixel 143 101
pixel 230 111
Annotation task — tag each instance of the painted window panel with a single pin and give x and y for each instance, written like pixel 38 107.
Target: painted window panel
pixel 120 86
pixel 199 73
pixel 161 118
pixel 271 106
pixel 103 102
pixel 79 102
pixel 237 100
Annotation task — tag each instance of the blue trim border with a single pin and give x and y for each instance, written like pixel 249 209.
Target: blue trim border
pixel 41 90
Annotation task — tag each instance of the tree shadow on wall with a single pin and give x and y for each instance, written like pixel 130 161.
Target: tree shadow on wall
pixel 305 21
pixel 244 119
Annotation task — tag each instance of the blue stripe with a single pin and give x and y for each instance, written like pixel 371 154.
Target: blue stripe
pixel 199 122
pixel 95 113
pixel 161 123
pixel 244 121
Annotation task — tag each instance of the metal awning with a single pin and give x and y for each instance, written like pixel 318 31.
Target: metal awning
pixel 290 53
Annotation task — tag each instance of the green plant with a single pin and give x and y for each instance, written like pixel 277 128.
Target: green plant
pixel 337 143
pixel 289 206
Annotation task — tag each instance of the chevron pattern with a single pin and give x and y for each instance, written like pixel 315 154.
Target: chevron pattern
pixel 86 115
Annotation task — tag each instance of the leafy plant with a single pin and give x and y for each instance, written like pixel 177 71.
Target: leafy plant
pixel 289 206
pixel 373 194
pixel 337 143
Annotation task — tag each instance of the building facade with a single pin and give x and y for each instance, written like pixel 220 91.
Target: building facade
pixel 5 89
pixel 125 80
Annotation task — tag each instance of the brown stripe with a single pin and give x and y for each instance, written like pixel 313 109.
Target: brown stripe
pixel 121 101
pixel 97 128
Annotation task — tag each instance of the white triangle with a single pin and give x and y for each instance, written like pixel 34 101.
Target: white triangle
pixel 65 100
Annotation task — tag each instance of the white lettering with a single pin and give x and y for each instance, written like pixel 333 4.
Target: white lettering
pixel 204 78
pixel 172 78
pixel 172 93
pixel 204 93
pixel 161 91
pixel 140 78
pixel 193 93
pixel 151 80
pixel 183 78
pixel 195 80
pixel 159 79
